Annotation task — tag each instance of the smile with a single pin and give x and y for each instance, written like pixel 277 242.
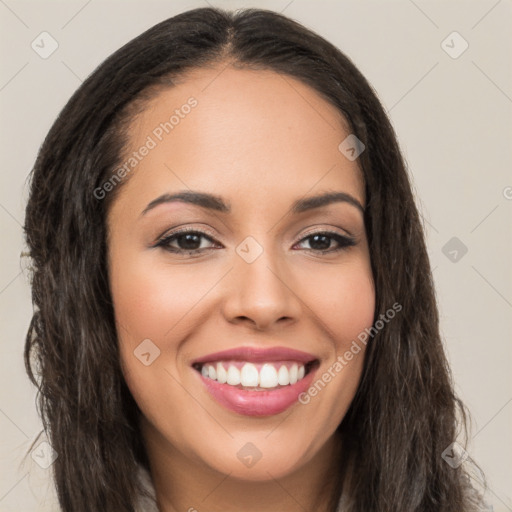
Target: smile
pixel 255 376
pixel 256 382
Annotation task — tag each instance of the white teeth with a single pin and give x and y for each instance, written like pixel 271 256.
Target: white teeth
pixel 283 376
pixel 222 375
pixel 269 376
pixel 293 374
pixel 249 375
pixel 233 376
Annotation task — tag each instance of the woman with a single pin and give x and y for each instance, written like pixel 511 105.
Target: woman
pixel 235 308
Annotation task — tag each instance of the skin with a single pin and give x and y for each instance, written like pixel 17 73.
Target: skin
pixel 261 141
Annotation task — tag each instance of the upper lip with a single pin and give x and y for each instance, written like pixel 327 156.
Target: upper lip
pixel 257 355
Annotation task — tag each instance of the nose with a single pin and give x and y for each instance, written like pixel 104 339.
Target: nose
pixel 261 294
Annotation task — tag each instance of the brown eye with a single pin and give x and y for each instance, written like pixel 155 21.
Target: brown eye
pixel 321 241
pixel 187 241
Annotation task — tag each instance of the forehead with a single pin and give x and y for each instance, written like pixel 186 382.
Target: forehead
pixel 241 129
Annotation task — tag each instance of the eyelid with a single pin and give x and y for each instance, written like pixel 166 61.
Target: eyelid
pixel 185 229
pixel 330 229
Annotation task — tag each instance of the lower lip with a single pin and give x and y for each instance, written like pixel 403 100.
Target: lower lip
pixel 257 403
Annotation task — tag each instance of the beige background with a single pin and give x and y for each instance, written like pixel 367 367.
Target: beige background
pixel 453 117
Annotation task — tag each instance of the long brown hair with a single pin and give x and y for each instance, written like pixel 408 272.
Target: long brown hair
pixel 404 413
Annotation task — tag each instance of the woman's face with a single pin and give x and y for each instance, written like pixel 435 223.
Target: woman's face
pixel 258 282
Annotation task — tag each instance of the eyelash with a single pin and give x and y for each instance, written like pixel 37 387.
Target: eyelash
pixel 343 241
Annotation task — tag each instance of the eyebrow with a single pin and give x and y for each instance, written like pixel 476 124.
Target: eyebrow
pixel 217 203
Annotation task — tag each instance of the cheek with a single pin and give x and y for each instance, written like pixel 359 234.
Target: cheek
pixel 154 303
pixel 353 307
pixel 150 301
pixel 343 300
pixel 345 308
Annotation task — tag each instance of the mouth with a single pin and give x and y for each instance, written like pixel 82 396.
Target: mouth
pixel 256 382
pixel 256 376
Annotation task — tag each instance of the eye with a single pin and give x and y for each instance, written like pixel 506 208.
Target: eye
pixel 189 242
pixel 321 241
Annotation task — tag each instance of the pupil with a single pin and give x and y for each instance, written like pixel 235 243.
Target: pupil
pixel 191 241
pixel 320 246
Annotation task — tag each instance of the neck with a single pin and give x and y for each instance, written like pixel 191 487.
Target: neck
pixel 183 484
